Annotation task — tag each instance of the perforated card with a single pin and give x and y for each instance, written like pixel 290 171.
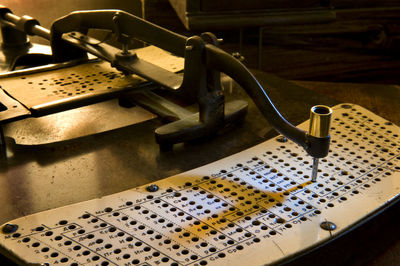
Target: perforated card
pixel 253 208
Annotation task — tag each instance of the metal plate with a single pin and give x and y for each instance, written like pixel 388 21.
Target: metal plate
pixel 54 86
pixel 75 123
pixel 254 207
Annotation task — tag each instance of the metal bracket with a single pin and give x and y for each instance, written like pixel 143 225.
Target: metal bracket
pixel 202 85
pixel 199 84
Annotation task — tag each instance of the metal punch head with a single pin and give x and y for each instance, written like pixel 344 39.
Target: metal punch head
pixel 320 124
pixel 320 121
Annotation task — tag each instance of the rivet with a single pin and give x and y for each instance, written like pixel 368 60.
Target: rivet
pixel 152 188
pixel 281 139
pixel 10 228
pixel 328 226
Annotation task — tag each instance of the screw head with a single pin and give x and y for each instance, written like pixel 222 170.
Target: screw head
pixel 152 188
pixel 328 226
pixel 10 228
pixel 281 139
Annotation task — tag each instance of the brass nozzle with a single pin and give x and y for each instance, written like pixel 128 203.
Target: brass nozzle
pixel 320 121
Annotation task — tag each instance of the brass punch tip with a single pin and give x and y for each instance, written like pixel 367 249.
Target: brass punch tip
pixel 320 123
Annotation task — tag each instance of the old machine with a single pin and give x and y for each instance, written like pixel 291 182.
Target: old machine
pixel 89 184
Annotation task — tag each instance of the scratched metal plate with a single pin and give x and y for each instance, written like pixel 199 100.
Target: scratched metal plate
pixel 254 207
pixel 88 79
pixel 75 123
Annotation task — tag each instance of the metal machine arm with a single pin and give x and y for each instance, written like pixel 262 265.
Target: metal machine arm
pixel 215 58
pixel 203 62
pixel 316 146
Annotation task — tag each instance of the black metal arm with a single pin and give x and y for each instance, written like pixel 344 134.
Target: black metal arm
pixel 222 61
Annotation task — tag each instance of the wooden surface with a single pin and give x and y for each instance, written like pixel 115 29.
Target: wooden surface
pixel 382 99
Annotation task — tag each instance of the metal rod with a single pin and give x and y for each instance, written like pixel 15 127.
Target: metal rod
pixel 41 31
pixel 314 169
pixel 35 30
pixel 12 18
pixel 320 121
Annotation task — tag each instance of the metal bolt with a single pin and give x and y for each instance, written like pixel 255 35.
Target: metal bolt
pixel 281 139
pixel 10 228
pixel 152 188
pixel 328 226
pixel 238 56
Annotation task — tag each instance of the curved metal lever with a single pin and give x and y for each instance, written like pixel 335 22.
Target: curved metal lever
pixel 221 61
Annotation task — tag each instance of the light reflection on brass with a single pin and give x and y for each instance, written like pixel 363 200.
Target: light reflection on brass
pixel 320 121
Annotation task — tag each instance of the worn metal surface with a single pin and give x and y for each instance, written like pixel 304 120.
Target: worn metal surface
pixel 37 178
pixel 40 177
pixel 50 87
pixel 75 123
pixel 54 90
pixel 225 212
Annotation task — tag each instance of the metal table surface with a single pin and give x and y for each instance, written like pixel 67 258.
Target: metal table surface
pixel 42 177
